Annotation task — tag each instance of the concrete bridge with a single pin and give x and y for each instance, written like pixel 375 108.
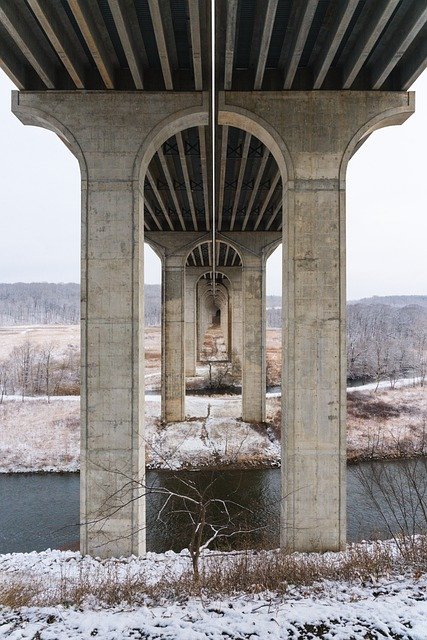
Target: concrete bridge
pixel 214 160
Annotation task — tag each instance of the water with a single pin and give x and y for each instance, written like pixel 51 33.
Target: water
pixel 42 510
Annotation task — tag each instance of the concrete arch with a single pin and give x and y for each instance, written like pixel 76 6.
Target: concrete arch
pixel 243 119
pixel 389 117
pixel 200 241
pixel 39 118
pixel 173 124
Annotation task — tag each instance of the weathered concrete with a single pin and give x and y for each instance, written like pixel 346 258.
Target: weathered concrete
pixel 113 136
pixel 173 339
pixel 312 135
pixel 190 322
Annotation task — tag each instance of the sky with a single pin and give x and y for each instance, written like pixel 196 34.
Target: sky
pixel 386 208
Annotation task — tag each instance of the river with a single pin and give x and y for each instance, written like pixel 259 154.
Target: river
pixel 39 511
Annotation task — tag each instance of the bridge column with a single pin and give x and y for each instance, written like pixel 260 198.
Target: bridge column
pixel 190 322
pixel 173 339
pixel 254 336
pixel 106 136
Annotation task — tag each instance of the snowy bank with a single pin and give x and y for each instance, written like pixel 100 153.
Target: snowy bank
pixel 383 606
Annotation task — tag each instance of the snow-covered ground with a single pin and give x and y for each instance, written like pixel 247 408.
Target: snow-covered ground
pixel 36 435
pixel 393 606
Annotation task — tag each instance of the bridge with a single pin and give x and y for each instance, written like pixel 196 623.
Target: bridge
pixel 215 132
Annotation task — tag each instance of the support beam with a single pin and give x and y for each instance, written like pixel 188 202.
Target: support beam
pixel 398 41
pixel 343 15
pixel 26 34
pixel 186 175
pixel 267 30
pixel 125 19
pixel 242 169
pixel 222 170
pixel 258 179
pixel 13 66
pixel 410 68
pixel 86 14
pixel 172 192
pixel 204 165
pixel 159 199
pixel 193 7
pixel 301 20
pixel 382 12
pixel 268 197
pixel 159 33
pixel 230 41
pixel 63 39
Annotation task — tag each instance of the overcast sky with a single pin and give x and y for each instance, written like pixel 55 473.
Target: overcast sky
pixel 386 208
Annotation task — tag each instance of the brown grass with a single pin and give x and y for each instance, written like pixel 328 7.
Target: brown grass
pixel 220 575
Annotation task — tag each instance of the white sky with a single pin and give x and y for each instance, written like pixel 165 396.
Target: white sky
pixel 386 208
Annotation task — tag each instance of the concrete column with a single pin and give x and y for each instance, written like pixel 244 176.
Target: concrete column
pixel 312 136
pixel 173 339
pixel 190 323
pixel 236 307
pixel 254 336
pixel 107 132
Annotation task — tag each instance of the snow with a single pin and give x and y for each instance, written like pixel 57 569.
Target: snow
pixel 389 607
pixel 385 384
pixel 37 435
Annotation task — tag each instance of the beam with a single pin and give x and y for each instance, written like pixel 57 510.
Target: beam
pixel 230 39
pixel 260 173
pixel 267 30
pixel 413 67
pixel 125 17
pixel 152 214
pixel 90 28
pixel 201 255
pixel 302 18
pixel 159 33
pixel 267 199
pixel 193 7
pixel 166 171
pixel 159 198
pixel 62 37
pixel 222 169
pixel 184 168
pixel 342 17
pixel 398 41
pixel 274 215
pixel 241 175
pixel 22 28
pixel 13 67
pixel 367 40
pixel 204 165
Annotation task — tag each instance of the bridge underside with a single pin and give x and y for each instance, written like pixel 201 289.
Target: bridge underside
pixel 299 86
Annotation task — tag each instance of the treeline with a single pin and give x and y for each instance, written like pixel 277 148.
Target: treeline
pixel 24 303
pixel 39 303
pixel 386 343
pixel 32 370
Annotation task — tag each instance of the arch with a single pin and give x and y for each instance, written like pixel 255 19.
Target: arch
pixel 39 118
pixel 170 126
pixel 389 117
pixel 243 119
pixel 192 246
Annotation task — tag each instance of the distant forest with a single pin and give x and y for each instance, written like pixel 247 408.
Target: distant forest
pixel 386 336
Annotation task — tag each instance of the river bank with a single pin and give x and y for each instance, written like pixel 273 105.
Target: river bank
pixel 42 435
pixel 368 591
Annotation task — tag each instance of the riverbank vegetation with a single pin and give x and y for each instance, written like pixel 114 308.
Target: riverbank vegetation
pixel 371 590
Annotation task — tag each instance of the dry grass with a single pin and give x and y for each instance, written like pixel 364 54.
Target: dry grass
pixel 221 575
